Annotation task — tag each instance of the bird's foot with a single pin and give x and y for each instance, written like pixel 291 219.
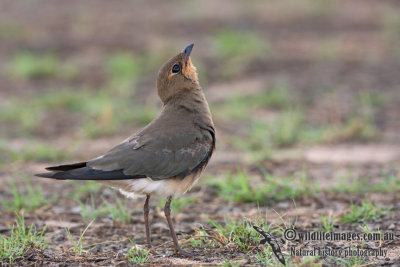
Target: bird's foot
pixel 153 252
pixel 184 253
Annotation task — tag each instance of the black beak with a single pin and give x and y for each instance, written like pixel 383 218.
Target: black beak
pixel 187 50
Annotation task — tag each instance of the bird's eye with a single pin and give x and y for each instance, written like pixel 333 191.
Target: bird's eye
pixel 176 68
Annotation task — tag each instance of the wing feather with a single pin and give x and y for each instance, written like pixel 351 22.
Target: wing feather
pixel 162 157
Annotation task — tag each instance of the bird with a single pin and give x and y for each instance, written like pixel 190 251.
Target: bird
pixel 166 157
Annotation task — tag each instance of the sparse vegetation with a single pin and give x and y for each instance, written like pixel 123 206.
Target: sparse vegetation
pixel 123 69
pixel 20 241
pixel 117 212
pixel 239 187
pixel 26 197
pixel 42 153
pixel 290 128
pixel 84 189
pixel 96 108
pixel 386 183
pixel 201 238
pixel 329 50
pixel 28 65
pixel 365 228
pixel 137 255
pixel 240 234
pixel 328 222
pixel 12 30
pixel 239 107
pixel 179 203
pixel 391 30
pixel 266 257
pixel 89 209
pixel 78 246
pixel 285 123
pixel 354 260
pixel 228 46
pixel 354 129
pixel 364 212
pixel 32 151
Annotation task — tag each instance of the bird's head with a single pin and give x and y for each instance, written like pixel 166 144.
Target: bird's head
pixel 177 74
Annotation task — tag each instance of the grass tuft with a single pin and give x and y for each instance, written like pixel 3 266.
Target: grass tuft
pixel 266 257
pixel 137 255
pixel 20 241
pixel 78 247
pixel 364 212
pixel 240 235
pixel 328 222
pixel 119 211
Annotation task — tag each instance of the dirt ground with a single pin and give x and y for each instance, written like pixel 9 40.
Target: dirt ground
pixel 328 56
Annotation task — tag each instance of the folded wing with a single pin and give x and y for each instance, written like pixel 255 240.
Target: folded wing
pixel 157 156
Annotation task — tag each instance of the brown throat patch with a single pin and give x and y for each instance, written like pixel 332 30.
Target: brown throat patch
pixel 189 71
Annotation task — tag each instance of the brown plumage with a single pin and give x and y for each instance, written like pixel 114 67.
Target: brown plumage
pixel 167 156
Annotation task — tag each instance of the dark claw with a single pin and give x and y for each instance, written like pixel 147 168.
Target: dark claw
pixel 184 253
pixel 153 252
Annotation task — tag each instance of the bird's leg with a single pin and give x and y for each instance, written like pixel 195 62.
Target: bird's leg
pixel 146 211
pixel 167 212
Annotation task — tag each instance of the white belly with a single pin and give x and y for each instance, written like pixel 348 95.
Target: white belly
pixel 146 186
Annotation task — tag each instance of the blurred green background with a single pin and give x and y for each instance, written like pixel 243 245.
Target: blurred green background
pixel 305 96
pixel 276 74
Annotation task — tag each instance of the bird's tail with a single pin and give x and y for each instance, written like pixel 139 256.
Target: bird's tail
pixel 80 171
pixel 67 167
pixel 56 170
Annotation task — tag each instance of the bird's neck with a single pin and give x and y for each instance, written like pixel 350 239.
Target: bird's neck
pixel 193 102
